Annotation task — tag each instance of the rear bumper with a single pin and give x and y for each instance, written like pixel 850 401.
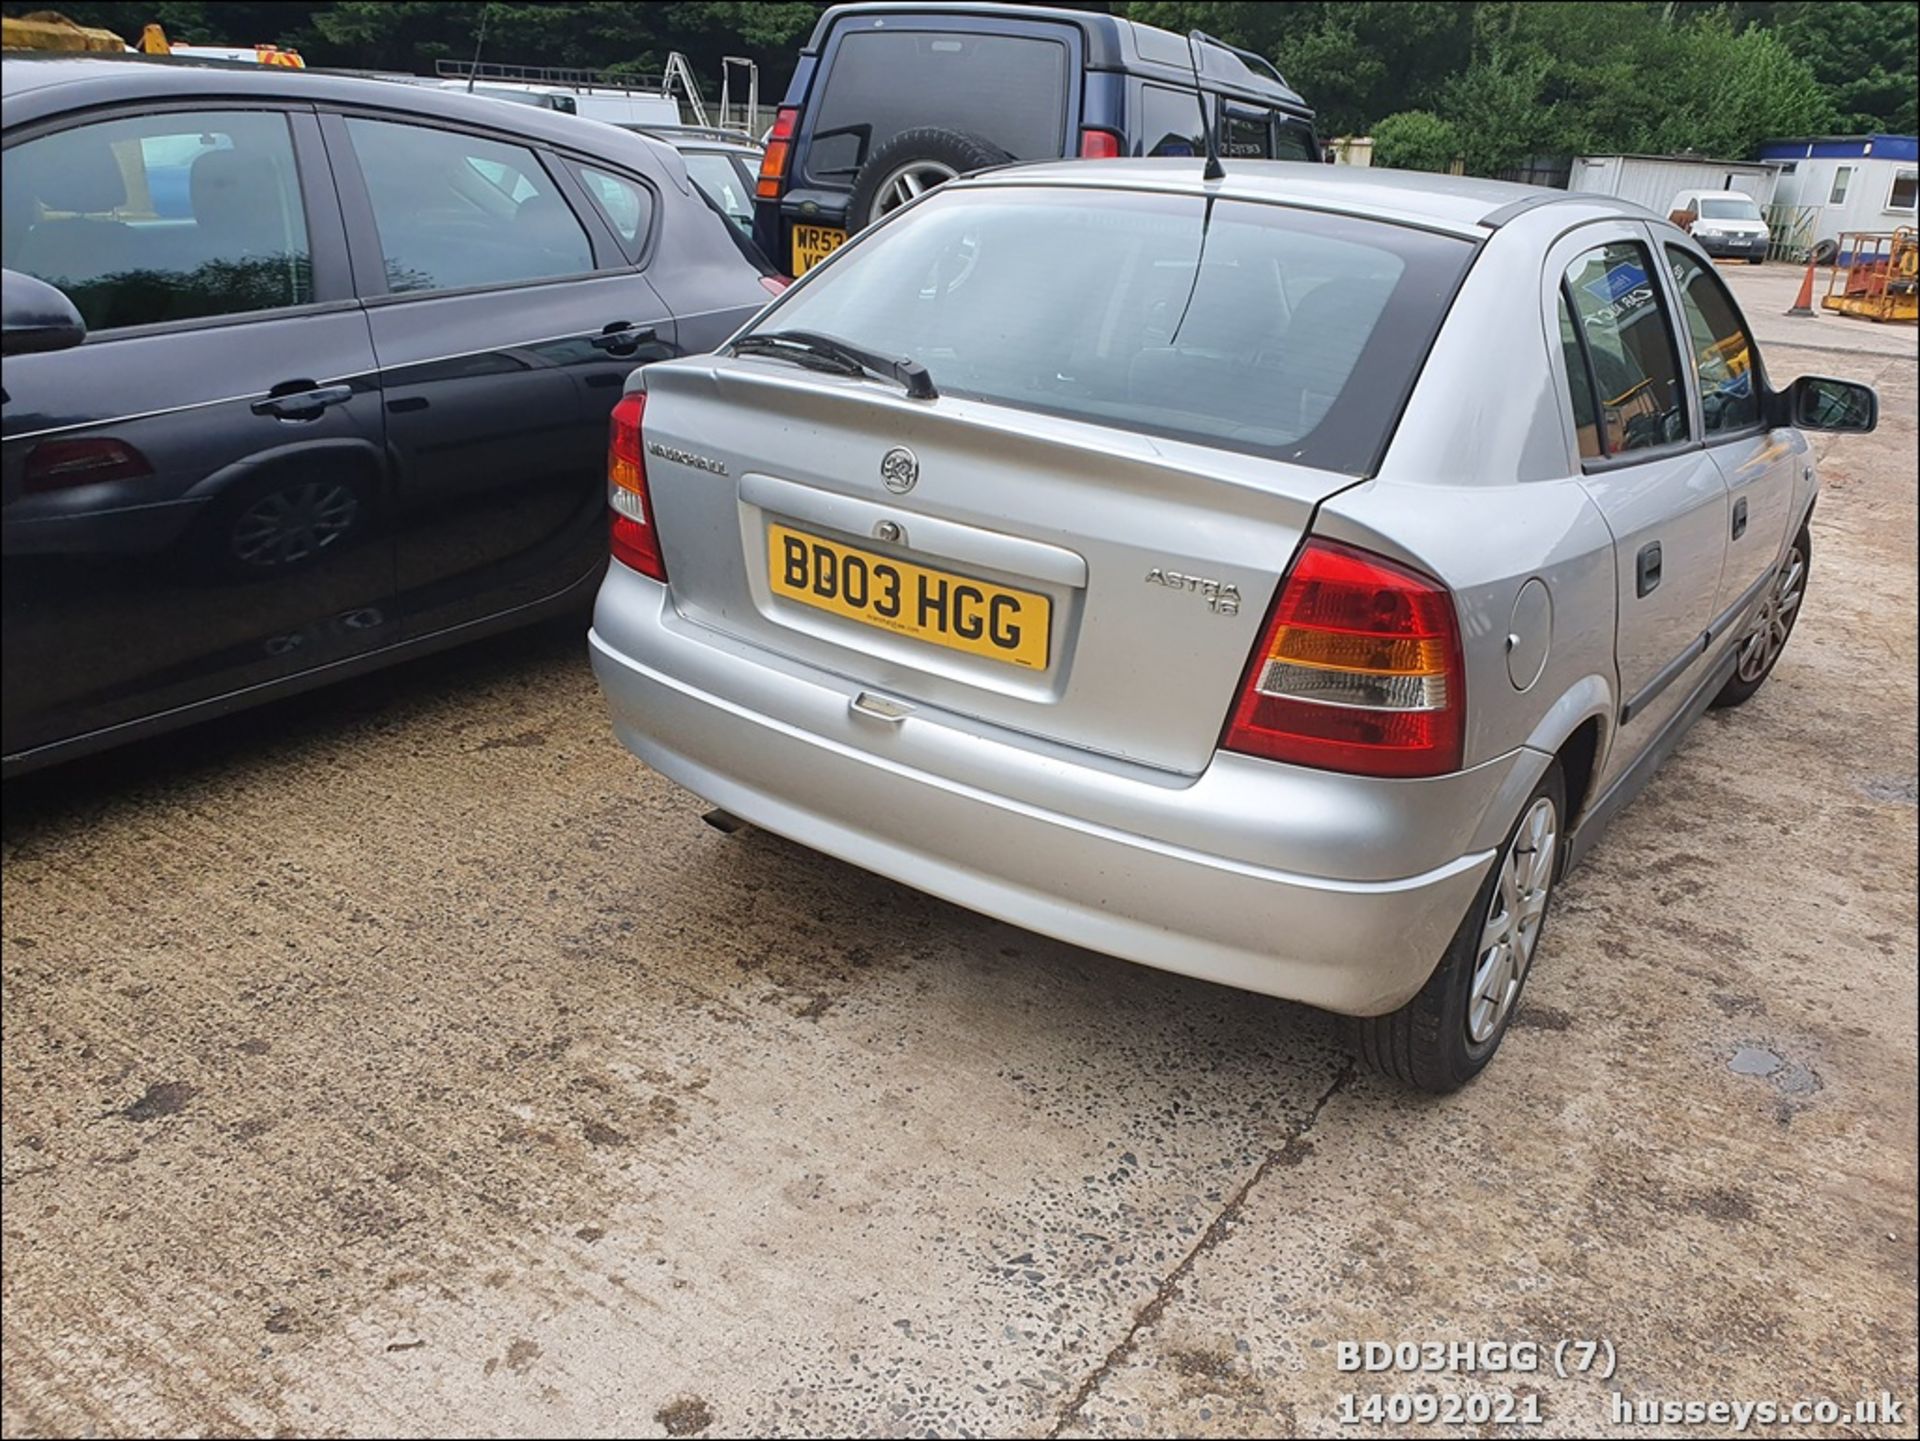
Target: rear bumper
pixel 1189 874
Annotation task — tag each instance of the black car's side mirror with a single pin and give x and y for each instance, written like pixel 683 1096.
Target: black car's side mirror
pixel 35 317
pixel 1817 402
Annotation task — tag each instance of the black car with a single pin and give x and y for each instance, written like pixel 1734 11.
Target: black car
pixel 350 350
pixel 888 99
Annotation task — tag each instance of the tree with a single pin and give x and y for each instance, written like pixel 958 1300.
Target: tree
pixel 1500 112
pixel 1864 56
pixel 1355 62
pixel 1415 140
pixel 1514 78
pixel 1739 89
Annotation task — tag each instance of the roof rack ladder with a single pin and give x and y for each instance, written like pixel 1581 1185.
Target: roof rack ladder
pixel 727 62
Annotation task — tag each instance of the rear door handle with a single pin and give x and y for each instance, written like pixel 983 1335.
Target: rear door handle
pixel 622 337
pixel 301 399
pixel 1647 569
pixel 1739 517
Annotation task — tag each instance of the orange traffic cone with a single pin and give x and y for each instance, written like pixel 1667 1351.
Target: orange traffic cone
pixel 1804 305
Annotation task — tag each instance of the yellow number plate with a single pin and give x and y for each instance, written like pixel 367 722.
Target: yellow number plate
pixel 936 606
pixel 813 244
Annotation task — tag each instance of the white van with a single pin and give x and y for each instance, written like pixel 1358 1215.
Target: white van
pixel 617 107
pixel 1726 223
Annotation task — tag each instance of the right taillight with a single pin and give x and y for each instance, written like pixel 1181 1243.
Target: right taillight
pixel 633 539
pixel 773 161
pixel 1358 669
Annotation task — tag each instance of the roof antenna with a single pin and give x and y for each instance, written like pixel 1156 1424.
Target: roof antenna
pixel 474 68
pixel 1213 169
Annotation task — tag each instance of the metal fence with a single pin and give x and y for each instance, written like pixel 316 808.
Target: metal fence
pixel 1791 231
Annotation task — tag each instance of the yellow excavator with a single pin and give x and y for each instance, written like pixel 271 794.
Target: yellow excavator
pixel 48 30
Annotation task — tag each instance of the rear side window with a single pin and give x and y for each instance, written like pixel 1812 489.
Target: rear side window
pixel 1579 386
pixel 626 204
pixel 1009 90
pixel 455 210
pixel 1250 327
pixel 1170 122
pixel 161 217
pixel 1722 351
pixel 1629 346
pixel 1170 125
pixel 725 182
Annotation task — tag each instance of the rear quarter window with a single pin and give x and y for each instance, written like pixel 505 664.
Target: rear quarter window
pixel 1007 89
pixel 1251 327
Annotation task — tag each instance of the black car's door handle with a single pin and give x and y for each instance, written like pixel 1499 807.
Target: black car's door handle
pixel 1647 569
pixel 301 399
pixel 622 337
pixel 1739 517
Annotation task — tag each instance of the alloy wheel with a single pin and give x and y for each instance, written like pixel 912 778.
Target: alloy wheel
pixel 911 180
pixel 1514 918
pixel 285 527
pixel 1774 624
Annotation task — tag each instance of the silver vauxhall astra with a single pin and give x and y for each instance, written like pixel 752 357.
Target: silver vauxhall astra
pixel 1277 580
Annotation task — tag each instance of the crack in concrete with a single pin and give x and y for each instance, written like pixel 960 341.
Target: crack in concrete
pixel 1150 1311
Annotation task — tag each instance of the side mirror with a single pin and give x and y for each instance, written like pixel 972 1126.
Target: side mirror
pixel 35 317
pixel 1815 402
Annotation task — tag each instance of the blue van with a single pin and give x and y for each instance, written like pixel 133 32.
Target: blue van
pixel 890 99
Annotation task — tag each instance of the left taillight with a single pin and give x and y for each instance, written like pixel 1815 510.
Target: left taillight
pixel 772 181
pixel 634 540
pixel 1359 669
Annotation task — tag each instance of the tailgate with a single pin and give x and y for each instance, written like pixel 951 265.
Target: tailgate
pixel 1085 585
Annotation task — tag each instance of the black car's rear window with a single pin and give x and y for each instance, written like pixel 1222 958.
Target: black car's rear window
pixel 1007 89
pixel 1259 328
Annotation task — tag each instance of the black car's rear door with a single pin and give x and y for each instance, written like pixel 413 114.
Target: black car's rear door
pixel 194 499
pixel 505 317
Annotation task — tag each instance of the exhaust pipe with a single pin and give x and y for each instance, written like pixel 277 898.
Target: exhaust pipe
pixel 725 822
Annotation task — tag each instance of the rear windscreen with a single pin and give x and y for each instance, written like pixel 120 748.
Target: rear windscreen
pixel 1009 90
pixel 1259 328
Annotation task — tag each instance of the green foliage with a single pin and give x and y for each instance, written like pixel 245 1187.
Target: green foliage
pixel 1356 61
pixel 1415 140
pixel 1522 78
pixel 1513 78
pixel 1862 55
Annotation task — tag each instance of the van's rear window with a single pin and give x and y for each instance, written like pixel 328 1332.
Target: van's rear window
pixel 1007 89
pixel 1260 328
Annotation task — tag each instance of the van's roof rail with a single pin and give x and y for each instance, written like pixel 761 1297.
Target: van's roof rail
pixel 1251 56
pixel 694 132
pixel 559 76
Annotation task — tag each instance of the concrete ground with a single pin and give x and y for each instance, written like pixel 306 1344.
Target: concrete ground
pixel 406 1059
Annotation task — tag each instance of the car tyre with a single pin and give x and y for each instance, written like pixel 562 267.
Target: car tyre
pixel 1446 1035
pixel 1760 648
pixel 913 161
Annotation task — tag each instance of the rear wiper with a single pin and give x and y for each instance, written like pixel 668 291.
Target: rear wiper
pixel 840 355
